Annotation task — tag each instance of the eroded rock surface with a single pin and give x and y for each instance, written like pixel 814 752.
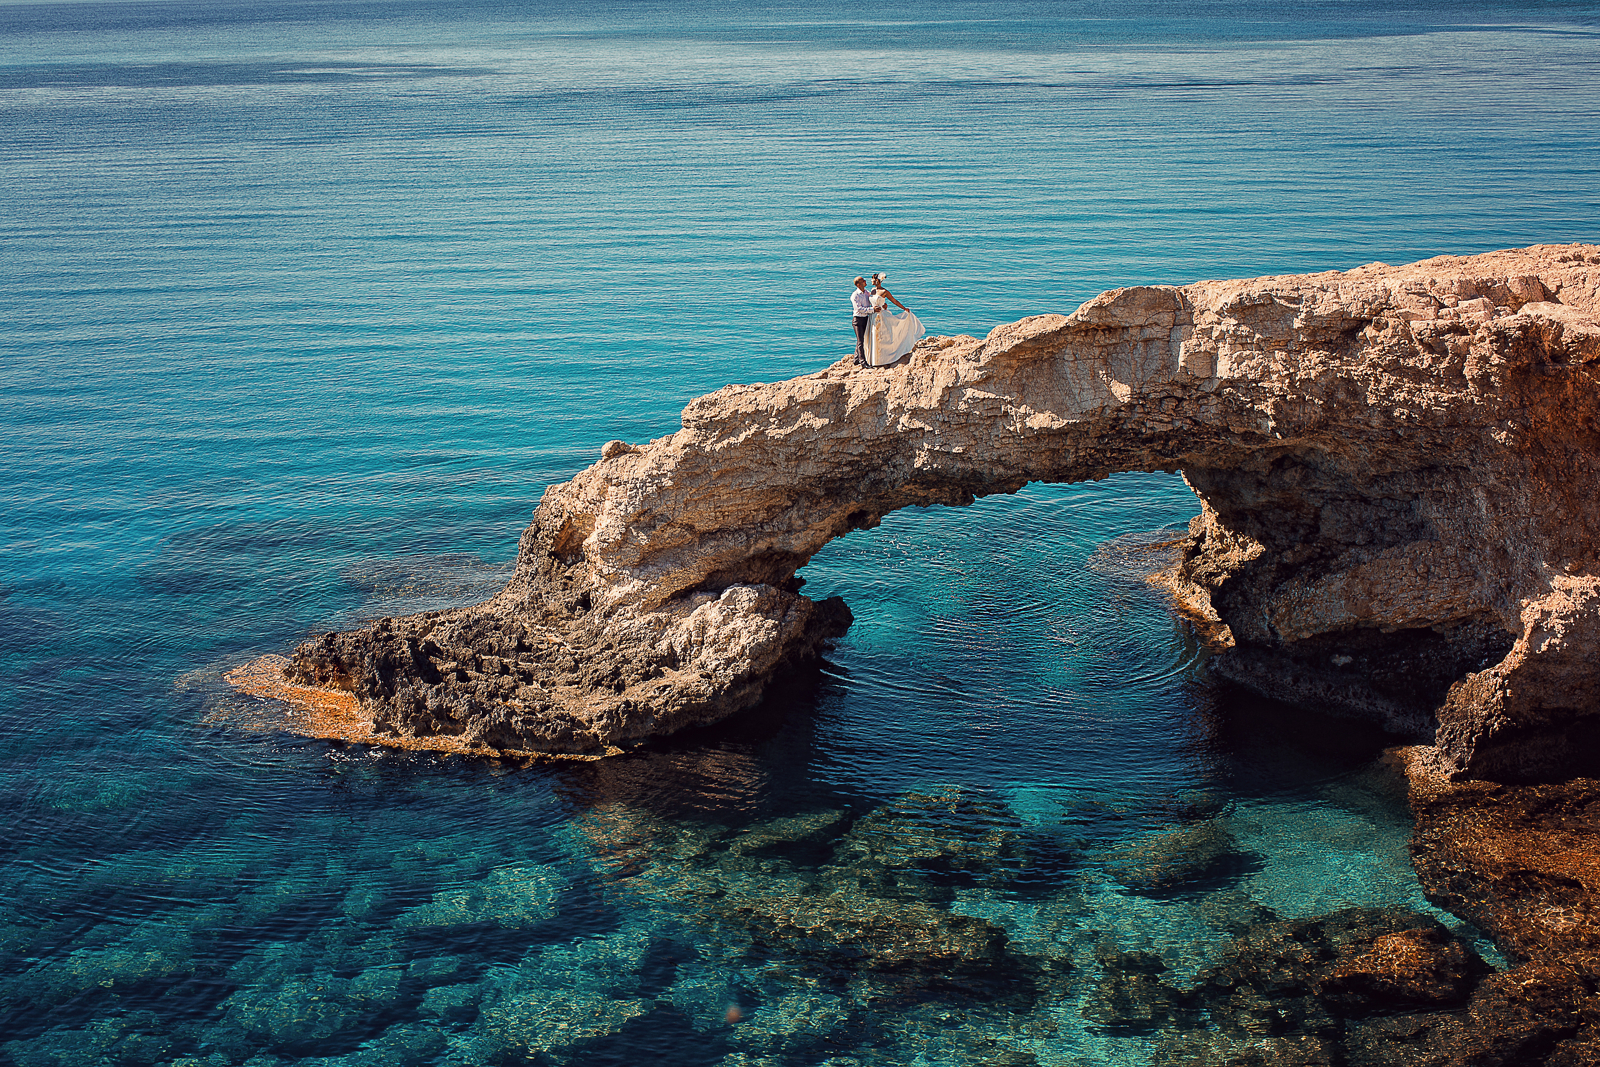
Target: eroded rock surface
pixel 1522 863
pixel 1397 465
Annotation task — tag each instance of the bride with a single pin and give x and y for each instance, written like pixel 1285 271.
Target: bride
pixel 889 336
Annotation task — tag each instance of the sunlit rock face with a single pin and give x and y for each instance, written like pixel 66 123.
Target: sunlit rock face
pixel 1397 465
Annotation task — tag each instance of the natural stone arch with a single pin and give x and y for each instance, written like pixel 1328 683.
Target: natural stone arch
pixel 1397 468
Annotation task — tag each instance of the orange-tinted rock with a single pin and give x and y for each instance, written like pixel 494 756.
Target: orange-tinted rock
pixel 1211 1049
pixel 1523 1016
pixel 1320 991
pixel 1305 975
pixel 1432 1040
pixel 1419 968
pixel 1521 862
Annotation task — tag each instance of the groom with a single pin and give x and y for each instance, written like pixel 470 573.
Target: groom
pixel 861 304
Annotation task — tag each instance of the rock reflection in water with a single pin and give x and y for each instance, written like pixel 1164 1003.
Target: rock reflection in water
pixel 711 783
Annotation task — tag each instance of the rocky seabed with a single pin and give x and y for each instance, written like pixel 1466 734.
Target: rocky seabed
pixel 1397 468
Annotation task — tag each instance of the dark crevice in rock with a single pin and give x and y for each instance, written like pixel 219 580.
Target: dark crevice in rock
pixel 1397 678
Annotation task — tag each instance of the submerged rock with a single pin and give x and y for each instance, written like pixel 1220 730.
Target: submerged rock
pixel 1234 911
pixel 786 835
pixel 1302 975
pixel 1196 853
pixel 401 1045
pixel 555 998
pixel 511 898
pixel 307 1010
pixel 942 1032
pixel 1407 1041
pixel 807 1017
pixel 1211 1049
pixel 1520 862
pixel 704 996
pixel 923 842
pixel 871 933
pixel 1132 998
pixel 1396 467
pixel 1319 992
pixel 1423 967
pixel 131 1040
pixel 528 1023
pixel 1533 1016
pixel 150 954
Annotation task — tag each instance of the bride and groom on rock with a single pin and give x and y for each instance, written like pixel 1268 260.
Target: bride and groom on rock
pixel 882 337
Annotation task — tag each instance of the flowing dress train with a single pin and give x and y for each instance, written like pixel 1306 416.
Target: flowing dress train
pixel 890 336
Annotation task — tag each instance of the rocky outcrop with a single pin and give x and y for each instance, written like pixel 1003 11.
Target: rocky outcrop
pixel 1397 467
pixel 1522 863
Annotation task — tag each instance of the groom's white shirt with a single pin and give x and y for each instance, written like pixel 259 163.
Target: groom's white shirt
pixel 861 302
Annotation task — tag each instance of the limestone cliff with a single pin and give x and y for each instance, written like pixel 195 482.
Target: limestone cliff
pixel 1397 467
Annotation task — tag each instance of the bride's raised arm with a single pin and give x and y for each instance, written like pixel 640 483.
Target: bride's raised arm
pixel 887 295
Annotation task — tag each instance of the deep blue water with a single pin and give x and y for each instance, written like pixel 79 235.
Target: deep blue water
pixel 302 306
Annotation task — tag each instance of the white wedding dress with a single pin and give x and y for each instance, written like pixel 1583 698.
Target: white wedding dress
pixel 890 336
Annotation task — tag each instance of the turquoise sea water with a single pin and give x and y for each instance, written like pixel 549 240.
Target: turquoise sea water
pixel 304 304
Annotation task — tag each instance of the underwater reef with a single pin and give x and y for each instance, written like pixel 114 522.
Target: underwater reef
pixel 1397 468
pixel 934 927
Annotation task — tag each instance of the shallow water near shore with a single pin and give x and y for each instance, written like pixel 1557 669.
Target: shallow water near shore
pixel 306 304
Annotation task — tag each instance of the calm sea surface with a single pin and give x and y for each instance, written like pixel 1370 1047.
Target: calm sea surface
pixel 302 305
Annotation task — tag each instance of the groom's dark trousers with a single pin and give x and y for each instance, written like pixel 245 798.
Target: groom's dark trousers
pixel 861 339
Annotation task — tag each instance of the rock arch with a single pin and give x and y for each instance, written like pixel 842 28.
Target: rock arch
pixel 1397 465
